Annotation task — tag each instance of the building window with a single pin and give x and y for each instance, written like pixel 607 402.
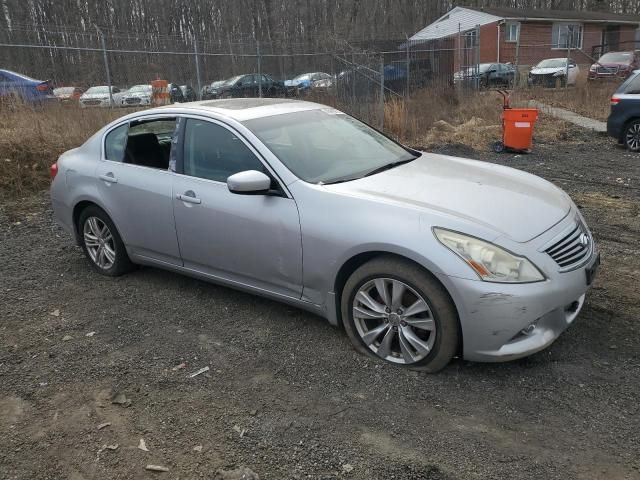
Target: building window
pixel 512 32
pixel 567 35
pixel 471 38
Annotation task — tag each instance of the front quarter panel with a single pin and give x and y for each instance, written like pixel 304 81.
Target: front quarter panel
pixel 337 227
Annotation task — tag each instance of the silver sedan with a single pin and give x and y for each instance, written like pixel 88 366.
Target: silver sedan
pixel 419 256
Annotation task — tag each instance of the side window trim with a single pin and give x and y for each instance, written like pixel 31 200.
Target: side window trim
pixel 103 146
pixel 181 146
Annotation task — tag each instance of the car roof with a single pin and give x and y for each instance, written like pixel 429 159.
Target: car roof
pixel 22 76
pixel 242 109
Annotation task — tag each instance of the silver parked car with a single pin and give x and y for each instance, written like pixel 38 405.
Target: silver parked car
pixel 99 97
pixel 419 256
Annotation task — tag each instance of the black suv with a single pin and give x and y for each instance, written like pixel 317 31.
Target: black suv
pixel 623 123
pixel 250 85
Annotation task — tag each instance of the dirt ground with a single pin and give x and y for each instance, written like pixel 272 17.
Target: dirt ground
pixel 285 394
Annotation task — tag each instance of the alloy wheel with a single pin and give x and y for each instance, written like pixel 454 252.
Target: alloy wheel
pixel 394 321
pixel 633 137
pixel 99 243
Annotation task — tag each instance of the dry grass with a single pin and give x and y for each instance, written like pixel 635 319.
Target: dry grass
pixel 591 99
pixel 32 138
pixel 428 120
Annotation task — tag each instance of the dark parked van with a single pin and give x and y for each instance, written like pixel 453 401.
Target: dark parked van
pixel 623 123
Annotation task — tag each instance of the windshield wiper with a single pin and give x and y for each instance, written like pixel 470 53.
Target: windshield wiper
pixel 382 168
pixel 388 166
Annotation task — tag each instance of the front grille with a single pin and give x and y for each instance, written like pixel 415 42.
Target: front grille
pixel 91 102
pixel 607 70
pixel 571 248
pixel 131 101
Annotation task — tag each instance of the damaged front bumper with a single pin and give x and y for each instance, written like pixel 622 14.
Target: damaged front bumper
pixel 502 322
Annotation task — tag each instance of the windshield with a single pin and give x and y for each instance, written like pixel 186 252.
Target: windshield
pixel 325 145
pixel 553 63
pixel 218 83
pixel 140 88
pixel 482 68
pixel 616 57
pixel 233 80
pixel 98 90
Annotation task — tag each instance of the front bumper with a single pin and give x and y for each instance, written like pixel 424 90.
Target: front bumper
pixel 502 322
pixel 544 80
pixel 98 103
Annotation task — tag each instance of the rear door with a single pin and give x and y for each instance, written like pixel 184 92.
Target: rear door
pixel 252 240
pixel 135 186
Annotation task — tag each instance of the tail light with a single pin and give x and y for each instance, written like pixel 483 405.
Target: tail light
pixel 615 100
pixel 53 170
pixel 43 87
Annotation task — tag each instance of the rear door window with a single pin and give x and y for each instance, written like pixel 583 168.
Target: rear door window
pixel 149 142
pixel 631 86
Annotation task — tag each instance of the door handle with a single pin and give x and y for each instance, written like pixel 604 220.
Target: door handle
pixel 108 177
pixel 189 197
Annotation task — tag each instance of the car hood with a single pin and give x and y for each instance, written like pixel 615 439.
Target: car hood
pixel 508 201
pixel 548 70
pixel 137 94
pixel 613 65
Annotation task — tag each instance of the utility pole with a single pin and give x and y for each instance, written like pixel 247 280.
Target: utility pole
pixel 408 65
pixel 106 64
pixel 381 113
pixel 195 54
pixel 569 42
pixel 259 69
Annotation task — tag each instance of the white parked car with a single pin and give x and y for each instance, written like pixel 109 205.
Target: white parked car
pixel 138 95
pixel 553 72
pixel 99 97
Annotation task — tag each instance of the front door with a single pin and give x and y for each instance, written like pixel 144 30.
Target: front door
pixel 252 240
pixel 135 186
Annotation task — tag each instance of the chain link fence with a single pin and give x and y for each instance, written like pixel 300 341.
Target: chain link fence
pixel 355 77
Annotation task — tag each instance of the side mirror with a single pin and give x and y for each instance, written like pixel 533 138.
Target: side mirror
pixel 249 182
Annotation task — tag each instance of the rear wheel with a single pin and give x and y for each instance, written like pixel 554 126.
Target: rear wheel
pixel 395 311
pixel 632 136
pixel 102 244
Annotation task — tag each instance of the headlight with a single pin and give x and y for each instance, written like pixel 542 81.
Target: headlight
pixel 490 262
pixel 559 74
pixel 593 68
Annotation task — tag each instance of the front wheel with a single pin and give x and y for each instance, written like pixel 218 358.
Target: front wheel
pixel 632 136
pixel 394 310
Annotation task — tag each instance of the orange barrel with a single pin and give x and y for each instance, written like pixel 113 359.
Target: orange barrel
pixel 518 127
pixel 160 92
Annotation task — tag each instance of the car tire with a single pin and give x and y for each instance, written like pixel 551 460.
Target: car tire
pixel 631 136
pixel 426 340
pixel 102 243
